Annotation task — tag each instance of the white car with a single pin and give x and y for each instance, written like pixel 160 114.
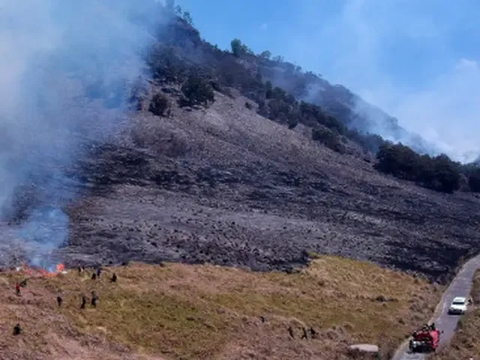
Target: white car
pixel 458 306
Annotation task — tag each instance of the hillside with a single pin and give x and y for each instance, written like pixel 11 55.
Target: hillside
pixel 178 311
pixel 339 101
pixel 228 186
pixel 217 165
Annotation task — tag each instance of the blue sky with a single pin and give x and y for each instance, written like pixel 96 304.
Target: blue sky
pixel 418 60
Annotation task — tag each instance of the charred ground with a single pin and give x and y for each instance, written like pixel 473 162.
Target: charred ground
pixel 227 186
pixel 218 166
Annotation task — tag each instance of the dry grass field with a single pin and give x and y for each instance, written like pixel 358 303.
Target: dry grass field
pixel 179 311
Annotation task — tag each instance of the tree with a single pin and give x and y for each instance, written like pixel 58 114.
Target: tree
pixel 159 105
pixel 446 173
pixel 268 90
pixel 239 49
pixel 328 138
pixel 266 54
pixel 399 161
pixel 439 173
pixel 474 180
pixel 188 18
pixel 178 10
pixel 236 46
pixel 197 91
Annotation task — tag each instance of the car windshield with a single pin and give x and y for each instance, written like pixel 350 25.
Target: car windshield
pixel 459 302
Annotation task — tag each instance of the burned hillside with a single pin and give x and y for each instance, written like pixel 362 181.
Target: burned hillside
pixel 219 164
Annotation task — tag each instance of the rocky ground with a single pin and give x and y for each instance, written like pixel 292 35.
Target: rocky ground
pixel 226 186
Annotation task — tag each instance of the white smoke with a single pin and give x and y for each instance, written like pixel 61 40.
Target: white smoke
pixel 65 68
pixel 367 45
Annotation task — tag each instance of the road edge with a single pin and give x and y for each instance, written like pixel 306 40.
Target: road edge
pixel 438 309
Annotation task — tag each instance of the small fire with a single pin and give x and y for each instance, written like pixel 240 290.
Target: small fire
pixel 60 268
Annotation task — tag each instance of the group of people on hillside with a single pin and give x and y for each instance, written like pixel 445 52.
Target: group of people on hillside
pixel 17 330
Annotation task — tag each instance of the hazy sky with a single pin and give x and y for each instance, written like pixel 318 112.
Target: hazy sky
pixel 418 60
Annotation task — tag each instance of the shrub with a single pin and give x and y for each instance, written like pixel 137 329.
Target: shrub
pixel 438 173
pixel 159 105
pixel 166 65
pixel 474 180
pixel 238 48
pixel 197 91
pixel 328 138
pixel 368 142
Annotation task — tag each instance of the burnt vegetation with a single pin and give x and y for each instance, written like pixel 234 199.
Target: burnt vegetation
pixel 228 161
pixel 182 58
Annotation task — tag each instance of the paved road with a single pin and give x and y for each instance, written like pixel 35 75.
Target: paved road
pixel 460 286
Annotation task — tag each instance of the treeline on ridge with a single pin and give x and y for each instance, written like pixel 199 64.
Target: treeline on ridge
pixel 181 57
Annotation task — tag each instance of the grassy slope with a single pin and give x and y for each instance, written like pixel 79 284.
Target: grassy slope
pixel 466 344
pixel 191 312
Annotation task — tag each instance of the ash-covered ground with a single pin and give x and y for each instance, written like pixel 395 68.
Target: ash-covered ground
pixel 226 186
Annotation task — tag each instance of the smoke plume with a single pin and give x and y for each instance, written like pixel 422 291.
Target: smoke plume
pixel 65 72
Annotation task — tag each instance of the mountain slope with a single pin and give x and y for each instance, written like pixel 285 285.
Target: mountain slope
pixel 227 186
pixel 348 107
pixel 177 311
pixel 217 165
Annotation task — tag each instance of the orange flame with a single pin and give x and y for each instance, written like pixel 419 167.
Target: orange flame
pixel 43 272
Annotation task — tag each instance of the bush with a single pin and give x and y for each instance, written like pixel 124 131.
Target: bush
pixel 238 48
pixel 197 91
pixel 311 115
pixel 328 138
pixel 166 66
pixel 399 161
pixel 368 142
pixel 159 105
pixel 474 180
pixel 438 173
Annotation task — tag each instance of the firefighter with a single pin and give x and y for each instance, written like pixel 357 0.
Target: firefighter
pixel 99 272
pixel 304 336
pixel 94 299
pixel 59 301
pixel 114 278
pixel 313 333
pixel 17 330
pixel 84 302
pixel 17 288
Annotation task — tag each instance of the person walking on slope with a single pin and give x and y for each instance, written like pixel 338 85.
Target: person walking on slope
pixel 59 301
pixel 94 299
pixel 17 330
pixel 84 302
pixel 99 272
pixel 17 289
